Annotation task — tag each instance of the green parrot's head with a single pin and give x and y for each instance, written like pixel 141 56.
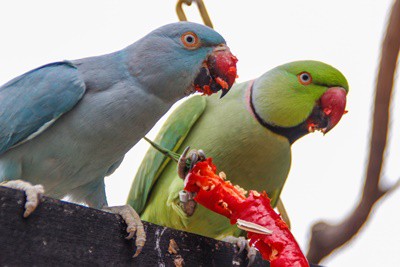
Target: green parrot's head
pixel 302 96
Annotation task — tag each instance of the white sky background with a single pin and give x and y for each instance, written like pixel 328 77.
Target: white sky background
pixel 327 172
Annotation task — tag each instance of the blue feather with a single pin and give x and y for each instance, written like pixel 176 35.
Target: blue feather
pixel 36 99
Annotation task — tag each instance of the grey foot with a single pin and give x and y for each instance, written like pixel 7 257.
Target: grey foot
pixel 187 203
pixel 32 192
pixel 188 160
pixel 243 244
pixel 185 164
pixel 134 225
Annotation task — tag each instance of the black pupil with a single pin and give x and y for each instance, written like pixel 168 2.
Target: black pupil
pixel 189 39
pixel 305 77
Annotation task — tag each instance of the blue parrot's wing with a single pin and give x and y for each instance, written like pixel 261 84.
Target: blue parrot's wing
pixel 171 136
pixel 33 101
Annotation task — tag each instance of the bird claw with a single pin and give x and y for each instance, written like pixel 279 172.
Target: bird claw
pixel 182 163
pixel 131 234
pixel 243 244
pixel 194 156
pixel 202 155
pixel 251 255
pixel 138 250
pixel 33 194
pixel 193 159
pixel 134 225
pixel 187 204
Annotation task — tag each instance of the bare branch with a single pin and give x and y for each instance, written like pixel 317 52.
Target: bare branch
pixel 325 238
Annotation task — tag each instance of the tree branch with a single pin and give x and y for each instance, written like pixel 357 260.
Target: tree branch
pixel 325 238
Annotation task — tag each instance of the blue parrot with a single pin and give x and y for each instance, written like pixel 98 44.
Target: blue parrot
pixel 67 125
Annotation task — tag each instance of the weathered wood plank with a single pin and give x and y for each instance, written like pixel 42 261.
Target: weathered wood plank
pixel 64 234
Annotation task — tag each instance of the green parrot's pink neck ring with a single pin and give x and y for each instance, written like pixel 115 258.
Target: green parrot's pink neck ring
pixel 249 103
pixel 291 133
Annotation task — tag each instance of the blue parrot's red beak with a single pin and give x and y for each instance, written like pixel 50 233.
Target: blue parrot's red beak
pixel 217 73
pixel 329 110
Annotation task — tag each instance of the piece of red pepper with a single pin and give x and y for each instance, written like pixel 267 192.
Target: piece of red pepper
pixel 220 196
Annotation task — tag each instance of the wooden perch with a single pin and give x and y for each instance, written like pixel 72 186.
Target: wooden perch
pixel 59 233
pixel 325 238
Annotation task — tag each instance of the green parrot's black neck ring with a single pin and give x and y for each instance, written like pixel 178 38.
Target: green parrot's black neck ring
pixel 291 133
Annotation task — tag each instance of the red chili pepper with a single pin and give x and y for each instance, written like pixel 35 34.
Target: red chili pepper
pixel 222 83
pixel 220 196
pixel 206 90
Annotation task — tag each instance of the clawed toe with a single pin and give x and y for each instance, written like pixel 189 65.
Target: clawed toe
pixel 251 255
pixel 187 203
pixel 33 194
pixel 193 156
pixel 133 225
pixel 131 232
pixel 243 244
pixel 202 155
pixel 138 250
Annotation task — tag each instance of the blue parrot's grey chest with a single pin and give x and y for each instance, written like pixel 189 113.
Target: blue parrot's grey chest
pixel 82 145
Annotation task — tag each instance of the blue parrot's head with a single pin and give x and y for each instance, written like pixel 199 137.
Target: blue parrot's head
pixel 195 56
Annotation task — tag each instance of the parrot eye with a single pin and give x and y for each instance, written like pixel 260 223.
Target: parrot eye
pixel 304 78
pixel 190 40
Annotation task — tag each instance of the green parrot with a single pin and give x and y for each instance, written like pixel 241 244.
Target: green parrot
pixel 248 135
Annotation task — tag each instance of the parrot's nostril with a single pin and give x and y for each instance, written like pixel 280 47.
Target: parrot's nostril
pixel 221 47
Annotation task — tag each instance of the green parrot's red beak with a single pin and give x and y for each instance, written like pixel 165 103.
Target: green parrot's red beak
pixel 333 104
pixel 329 110
pixel 218 72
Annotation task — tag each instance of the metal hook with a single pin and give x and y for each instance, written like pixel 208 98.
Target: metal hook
pixel 202 9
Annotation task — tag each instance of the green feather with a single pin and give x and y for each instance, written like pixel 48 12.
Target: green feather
pixel 170 137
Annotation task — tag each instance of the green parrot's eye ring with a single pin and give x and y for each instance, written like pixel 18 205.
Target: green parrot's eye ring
pixel 304 78
pixel 190 40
